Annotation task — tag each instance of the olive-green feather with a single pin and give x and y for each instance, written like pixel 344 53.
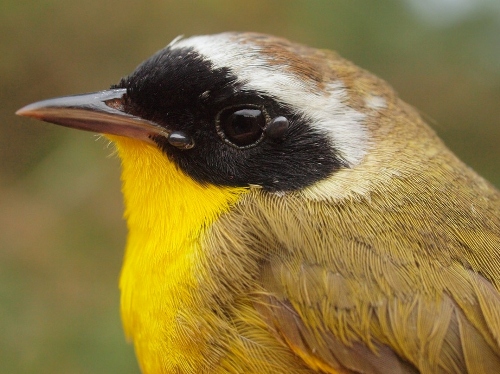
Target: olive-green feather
pixel 401 280
pixel 390 267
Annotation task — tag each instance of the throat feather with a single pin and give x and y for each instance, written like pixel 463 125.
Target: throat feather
pixel 167 214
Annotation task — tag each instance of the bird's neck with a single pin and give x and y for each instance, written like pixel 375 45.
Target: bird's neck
pixel 167 215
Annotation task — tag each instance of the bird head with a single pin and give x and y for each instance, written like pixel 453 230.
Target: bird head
pixel 242 109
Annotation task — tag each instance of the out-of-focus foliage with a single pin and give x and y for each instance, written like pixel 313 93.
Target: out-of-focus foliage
pixel 61 233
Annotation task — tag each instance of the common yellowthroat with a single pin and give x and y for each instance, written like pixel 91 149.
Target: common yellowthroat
pixel 288 213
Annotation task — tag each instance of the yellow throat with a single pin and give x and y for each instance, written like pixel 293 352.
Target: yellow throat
pixel 167 214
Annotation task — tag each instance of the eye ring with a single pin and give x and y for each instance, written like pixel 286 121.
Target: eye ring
pixel 253 139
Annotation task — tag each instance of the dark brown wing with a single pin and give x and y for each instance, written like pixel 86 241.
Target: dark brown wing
pixel 333 324
pixel 319 347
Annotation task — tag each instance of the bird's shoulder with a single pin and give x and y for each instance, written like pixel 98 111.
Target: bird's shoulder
pixel 380 280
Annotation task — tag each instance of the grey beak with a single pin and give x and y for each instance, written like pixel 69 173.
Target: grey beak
pixel 100 112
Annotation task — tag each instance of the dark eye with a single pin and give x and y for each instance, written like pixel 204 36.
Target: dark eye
pixel 241 126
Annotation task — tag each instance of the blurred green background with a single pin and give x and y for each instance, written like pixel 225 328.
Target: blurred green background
pixel 61 231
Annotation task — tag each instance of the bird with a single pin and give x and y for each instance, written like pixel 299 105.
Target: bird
pixel 287 212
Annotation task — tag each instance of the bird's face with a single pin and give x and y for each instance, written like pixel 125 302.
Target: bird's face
pixel 231 110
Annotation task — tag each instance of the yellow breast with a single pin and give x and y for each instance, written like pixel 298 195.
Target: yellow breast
pixel 167 214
